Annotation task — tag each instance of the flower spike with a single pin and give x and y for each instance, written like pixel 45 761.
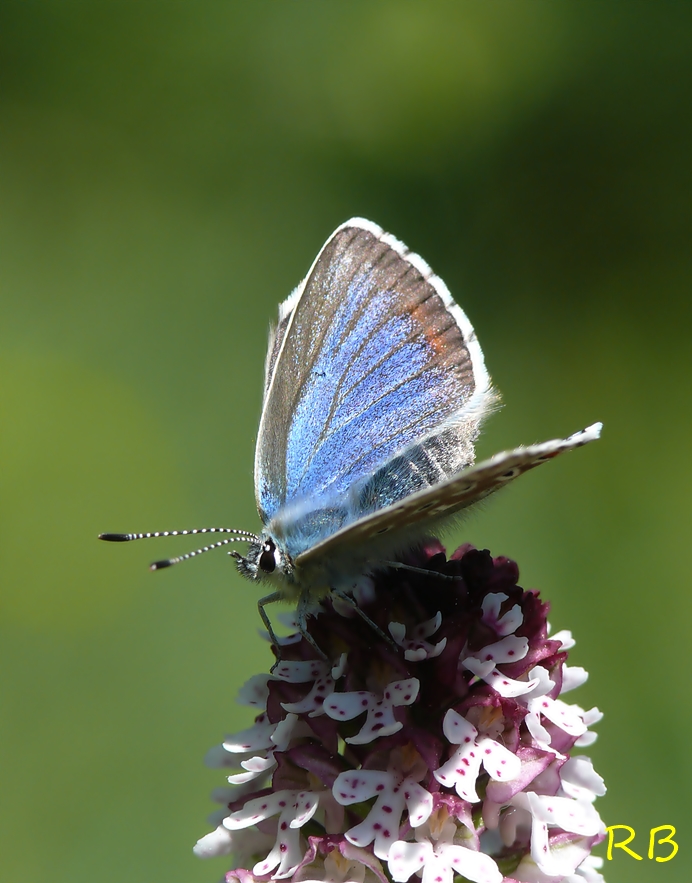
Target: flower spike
pixel 453 757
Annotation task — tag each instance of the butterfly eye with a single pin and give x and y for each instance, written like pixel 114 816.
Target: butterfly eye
pixel 267 561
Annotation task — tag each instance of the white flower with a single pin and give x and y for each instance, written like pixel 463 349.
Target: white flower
pixel 294 808
pixel 261 736
pixel 573 676
pixel 258 737
pixel 572 851
pixel 580 780
pixel 320 674
pixel 395 791
pixel 255 691
pixel 441 857
pixel 484 666
pixel 573 816
pixel 572 719
pixel 506 624
pixel 590 717
pixel 416 648
pixel 462 769
pixel 380 720
pixel 564 636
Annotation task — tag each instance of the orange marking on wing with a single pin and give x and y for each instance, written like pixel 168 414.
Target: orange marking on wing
pixel 432 336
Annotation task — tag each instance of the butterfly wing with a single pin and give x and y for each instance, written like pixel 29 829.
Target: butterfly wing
pixel 371 355
pixel 425 507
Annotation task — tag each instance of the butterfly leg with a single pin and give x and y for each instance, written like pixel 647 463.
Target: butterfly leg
pixel 364 616
pixel 302 613
pixel 397 565
pixel 269 599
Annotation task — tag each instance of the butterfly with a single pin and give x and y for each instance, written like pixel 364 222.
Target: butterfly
pixel 375 389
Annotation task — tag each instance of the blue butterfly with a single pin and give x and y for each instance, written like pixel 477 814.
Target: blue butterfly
pixel 375 389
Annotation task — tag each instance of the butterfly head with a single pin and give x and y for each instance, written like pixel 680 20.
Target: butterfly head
pixel 265 560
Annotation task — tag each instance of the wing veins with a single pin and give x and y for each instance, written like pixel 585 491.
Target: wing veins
pixel 383 441
pixel 318 345
pixel 411 337
pixel 341 394
pixel 351 325
pixel 324 436
pixel 363 411
pixel 338 397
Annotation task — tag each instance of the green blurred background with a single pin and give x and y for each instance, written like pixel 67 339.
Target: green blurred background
pixel 168 172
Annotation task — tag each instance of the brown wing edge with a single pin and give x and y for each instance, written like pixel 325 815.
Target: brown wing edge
pixel 462 490
pixel 484 398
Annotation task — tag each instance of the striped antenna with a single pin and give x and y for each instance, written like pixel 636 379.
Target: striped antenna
pixel 240 536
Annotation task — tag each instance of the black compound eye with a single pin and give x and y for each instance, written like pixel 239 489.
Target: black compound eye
pixel 267 561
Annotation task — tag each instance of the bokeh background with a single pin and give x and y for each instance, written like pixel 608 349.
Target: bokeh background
pixel 167 173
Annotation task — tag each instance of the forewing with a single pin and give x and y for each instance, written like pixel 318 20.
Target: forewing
pixel 446 498
pixel 371 355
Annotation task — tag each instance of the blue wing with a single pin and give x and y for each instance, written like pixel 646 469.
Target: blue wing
pixel 370 357
pixel 348 549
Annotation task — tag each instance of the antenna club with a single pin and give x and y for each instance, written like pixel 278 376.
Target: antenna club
pixel 159 565
pixel 115 537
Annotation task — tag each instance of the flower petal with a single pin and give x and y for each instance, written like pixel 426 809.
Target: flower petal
pixel 566 717
pixel 355 787
pixel 305 808
pixel 457 729
pixel 218 842
pixel 419 802
pixel 254 691
pixel 402 692
pixel 300 671
pixel 381 825
pixel 565 638
pixel 509 649
pixel 406 859
pixel 259 809
pixel 537 730
pixel 588 871
pixel 461 771
pixel 472 865
pixel 281 737
pixel 425 629
pixel 575 816
pixel 398 631
pixel 346 706
pixel 499 762
pixel 506 624
pixel 580 780
pixel 506 687
pixel 287 852
pixel 255 767
pixel 573 676
pixel 426 651
pixel 379 722
pixel 255 738
pixel 313 702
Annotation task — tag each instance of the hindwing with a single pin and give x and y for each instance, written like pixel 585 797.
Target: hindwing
pixel 447 498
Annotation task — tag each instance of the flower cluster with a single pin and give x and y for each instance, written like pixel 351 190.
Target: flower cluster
pixel 443 752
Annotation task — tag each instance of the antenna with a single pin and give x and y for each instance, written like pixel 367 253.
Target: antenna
pixel 241 536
